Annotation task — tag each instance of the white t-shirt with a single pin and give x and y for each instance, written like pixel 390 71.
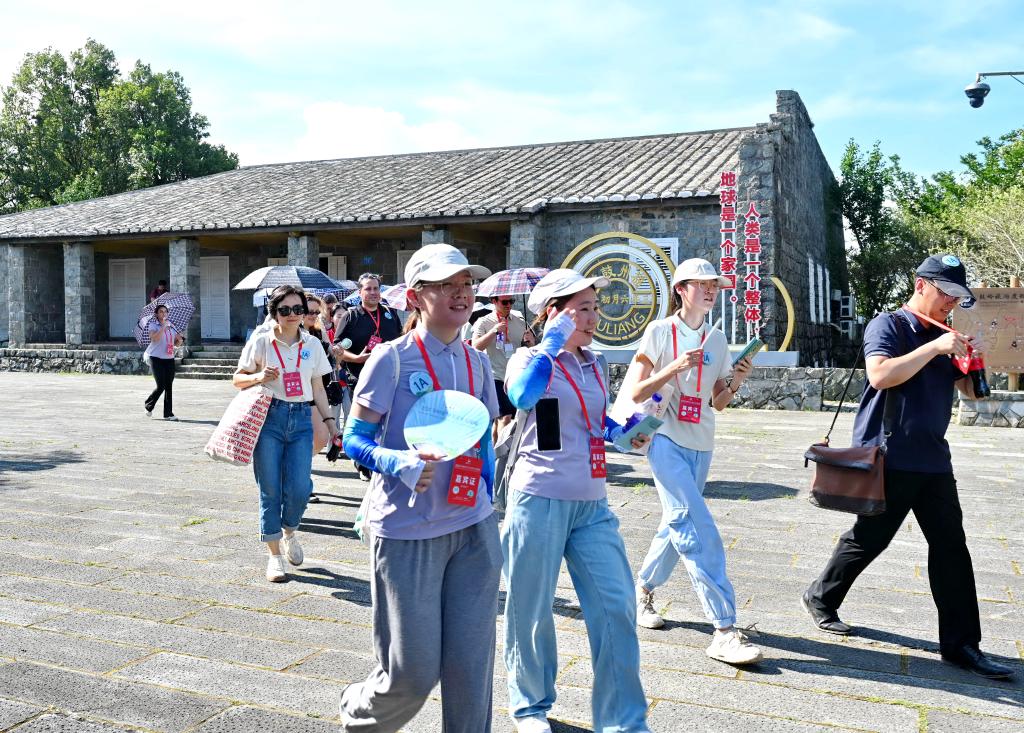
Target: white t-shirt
pixel 656 345
pixel 259 352
pixel 160 347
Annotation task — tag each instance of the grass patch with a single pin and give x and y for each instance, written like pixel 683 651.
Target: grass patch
pixel 195 521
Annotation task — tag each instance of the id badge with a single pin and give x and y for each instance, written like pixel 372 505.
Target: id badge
pixel 507 347
pixel 689 409
pixel 598 467
pixel 170 348
pixel 292 384
pixel 374 340
pixel 465 481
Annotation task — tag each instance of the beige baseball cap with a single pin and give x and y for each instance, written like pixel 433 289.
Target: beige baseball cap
pixel 561 282
pixel 697 269
pixel 436 262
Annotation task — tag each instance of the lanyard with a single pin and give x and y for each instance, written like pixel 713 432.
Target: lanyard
pixel 675 354
pixel 963 363
pixel 297 361
pixel 579 394
pixel 430 367
pixel 376 321
pixel 923 317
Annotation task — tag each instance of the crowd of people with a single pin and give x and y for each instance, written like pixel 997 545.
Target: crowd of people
pixel 436 561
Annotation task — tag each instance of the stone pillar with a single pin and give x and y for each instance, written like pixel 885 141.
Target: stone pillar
pixel 185 271
pixel 4 292
pixel 16 293
pixel 35 286
pixel 436 235
pixel 79 293
pixel 303 250
pixel 524 243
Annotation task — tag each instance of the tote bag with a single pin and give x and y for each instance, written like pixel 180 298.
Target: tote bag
pixel 234 438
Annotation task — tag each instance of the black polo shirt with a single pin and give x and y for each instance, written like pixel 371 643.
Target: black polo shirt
pixel 918 440
pixel 357 324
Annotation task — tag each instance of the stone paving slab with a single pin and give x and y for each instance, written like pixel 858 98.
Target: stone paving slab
pixel 132 594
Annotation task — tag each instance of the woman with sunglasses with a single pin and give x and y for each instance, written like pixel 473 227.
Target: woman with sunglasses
pixel 687 361
pixel 289 364
pixel 435 561
pixel 558 509
pixel 163 337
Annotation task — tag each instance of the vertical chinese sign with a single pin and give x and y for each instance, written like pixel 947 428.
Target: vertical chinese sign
pixel 752 264
pixel 728 260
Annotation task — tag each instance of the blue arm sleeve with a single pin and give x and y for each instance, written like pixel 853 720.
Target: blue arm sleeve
pixel 359 442
pixel 612 430
pixel 488 458
pixel 530 384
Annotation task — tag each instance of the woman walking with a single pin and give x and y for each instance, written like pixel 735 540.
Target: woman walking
pixel 557 509
pixel 163 337
pixel 435 561
pixel 289 363
pixel 684 357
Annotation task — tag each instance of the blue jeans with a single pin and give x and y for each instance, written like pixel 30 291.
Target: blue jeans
pixel 687 530
pixel 282 462
pixel 537 533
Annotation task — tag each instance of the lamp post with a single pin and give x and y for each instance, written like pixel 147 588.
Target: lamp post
pixel 977 91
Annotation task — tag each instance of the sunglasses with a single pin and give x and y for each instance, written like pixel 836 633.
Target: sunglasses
pixel 286 310
pixel 507 302
pixel 312 313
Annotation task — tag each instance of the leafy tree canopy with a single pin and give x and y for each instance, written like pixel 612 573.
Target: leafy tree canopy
pixel 73 128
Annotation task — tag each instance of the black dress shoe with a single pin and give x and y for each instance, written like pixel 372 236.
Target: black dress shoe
pixel 827 622
pixel 974 660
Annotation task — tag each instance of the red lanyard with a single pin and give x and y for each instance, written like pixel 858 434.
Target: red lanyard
pixel 430 367
pixel 297 361
pixel 579 394
pixel 376 321
pixel 923 317
pixel 675 353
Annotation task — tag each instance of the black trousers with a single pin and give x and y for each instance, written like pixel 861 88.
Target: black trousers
pixel 933 499
pixel 163 373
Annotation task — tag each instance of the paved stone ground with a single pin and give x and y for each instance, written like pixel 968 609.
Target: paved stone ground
pixel 132 597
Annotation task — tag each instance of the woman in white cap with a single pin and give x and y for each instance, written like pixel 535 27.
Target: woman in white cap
pixel 436 564
pixel 687 362
pixel 558 508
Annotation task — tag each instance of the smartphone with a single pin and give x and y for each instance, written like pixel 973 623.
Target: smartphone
pixel 549 430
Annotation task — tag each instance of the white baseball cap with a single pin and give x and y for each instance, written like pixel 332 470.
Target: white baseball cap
pixel 561 282
pixel 436 262
pixel 697 269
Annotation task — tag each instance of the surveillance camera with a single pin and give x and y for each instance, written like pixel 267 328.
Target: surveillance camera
pixel 976 93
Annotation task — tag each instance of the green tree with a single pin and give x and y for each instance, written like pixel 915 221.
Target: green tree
pixel 993 244
pixel 886 251
pixel 72 129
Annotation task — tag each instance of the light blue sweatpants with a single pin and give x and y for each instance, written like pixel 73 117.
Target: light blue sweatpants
pixel 687 530
pixel 536 535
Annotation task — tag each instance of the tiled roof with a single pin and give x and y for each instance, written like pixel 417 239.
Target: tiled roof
pixel 491 181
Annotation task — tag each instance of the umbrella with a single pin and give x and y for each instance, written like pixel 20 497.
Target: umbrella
pixel 179 313
pixel 354 299
pixel 519 281
pixel 306 278
pixel 347 288
pixel 395 297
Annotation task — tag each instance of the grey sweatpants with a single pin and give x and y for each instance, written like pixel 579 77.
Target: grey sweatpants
pixel 434 608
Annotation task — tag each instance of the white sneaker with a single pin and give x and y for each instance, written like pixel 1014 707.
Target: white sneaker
pixel 292 549
pixel 532 724
pixel 275 569
pixel 733 647
pixel 646 616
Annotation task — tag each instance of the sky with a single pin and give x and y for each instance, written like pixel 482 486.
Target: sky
pixel 304 80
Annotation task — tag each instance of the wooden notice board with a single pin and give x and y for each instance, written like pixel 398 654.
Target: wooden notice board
pixel 997 320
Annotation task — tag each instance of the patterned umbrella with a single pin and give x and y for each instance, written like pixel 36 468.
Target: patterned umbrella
pixel 347 288
pixel 179 313
pixel 519 281
pixel 355 300
pixel 306 278
pixel 395 297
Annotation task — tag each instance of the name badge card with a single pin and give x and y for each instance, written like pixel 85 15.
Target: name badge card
pixel 170 345
pixel 372 343
pixel 689 409
pixel 598 466
pixel 292 384
pixel 465 483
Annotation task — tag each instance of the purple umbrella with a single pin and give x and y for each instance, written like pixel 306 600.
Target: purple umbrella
pixel 179 313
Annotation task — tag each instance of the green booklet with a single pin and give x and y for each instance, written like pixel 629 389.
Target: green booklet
pixel 753 346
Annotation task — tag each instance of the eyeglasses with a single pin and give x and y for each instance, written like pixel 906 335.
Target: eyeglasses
pixel 942 292
pixel 285 310
pixel 450 289
pixel 705 284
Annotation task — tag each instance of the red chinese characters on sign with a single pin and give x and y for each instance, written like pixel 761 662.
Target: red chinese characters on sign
pixel 727 197
pixel 752 265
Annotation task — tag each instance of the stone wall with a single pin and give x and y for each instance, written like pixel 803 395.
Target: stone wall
pixel 73 360
pixel 1002 410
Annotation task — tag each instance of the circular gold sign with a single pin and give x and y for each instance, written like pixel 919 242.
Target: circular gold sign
pixel 639 291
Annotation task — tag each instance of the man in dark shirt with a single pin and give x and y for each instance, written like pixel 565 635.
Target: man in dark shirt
pixel 366 325
pixel 908 359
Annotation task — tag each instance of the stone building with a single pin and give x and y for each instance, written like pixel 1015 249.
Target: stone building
pixel 79 273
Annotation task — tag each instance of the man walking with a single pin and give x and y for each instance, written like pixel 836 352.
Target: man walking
pixel 366 325
pixel 907 358
pixel 500 333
